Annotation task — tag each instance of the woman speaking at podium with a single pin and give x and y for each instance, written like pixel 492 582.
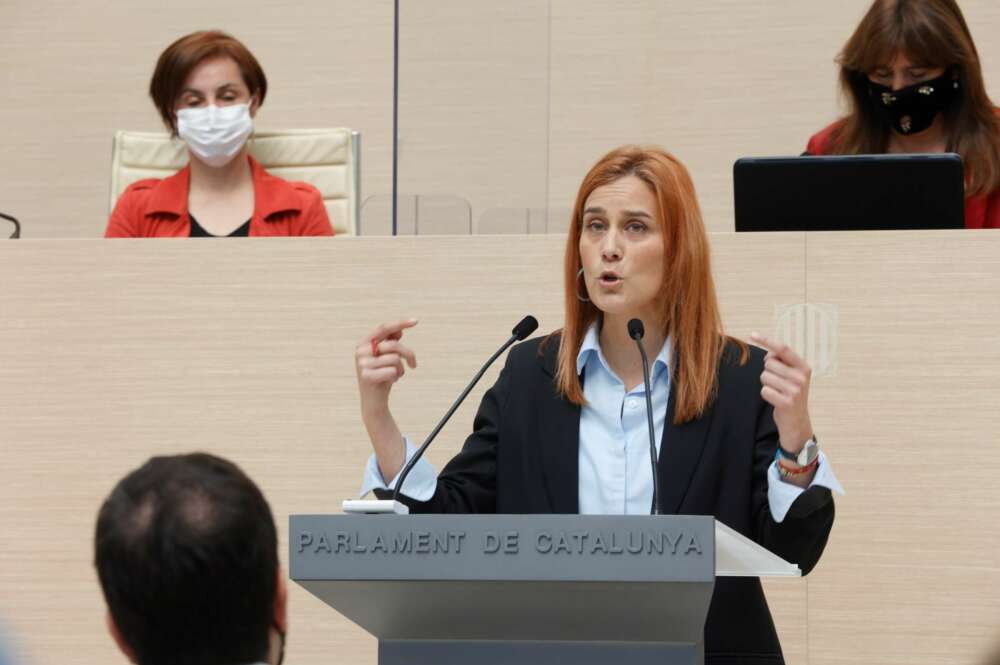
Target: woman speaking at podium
pixel 208 87
pixel 564 429
pixel 913 82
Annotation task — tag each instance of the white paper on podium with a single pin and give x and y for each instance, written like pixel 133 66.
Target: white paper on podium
pixel 738 556
pixel 374 507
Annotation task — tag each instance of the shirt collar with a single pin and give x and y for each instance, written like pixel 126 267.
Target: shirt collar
pixel 591 346
pixel 272 195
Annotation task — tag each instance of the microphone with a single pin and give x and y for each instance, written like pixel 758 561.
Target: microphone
pixel 636 331
pixel 525 327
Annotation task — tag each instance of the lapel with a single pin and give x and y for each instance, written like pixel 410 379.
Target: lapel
pixel 559 436
pixel 680 451
pixel 681 447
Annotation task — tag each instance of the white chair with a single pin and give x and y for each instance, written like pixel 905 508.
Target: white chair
pixel 328 159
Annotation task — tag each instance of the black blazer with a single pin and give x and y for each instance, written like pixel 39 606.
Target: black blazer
pixel 523 453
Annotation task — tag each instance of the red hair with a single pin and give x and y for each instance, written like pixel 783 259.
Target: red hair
pixel 691 311
pixel 176 62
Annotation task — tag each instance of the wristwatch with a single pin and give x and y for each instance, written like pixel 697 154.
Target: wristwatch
pixel 804 457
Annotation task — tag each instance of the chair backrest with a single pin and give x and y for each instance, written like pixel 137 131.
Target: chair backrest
pixel 329 159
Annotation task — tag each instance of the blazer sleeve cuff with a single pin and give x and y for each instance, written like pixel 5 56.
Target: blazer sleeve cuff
pixel 420 484
pixel 782 497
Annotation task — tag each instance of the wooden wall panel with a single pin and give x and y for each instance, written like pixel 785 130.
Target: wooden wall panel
pixel 910 420
pixel 473 104
pixel 75 72
pixel 710 81
pixel 505 105
pixel 114 351
pixel 748 298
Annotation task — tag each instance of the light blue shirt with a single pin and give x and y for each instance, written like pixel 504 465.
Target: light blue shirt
pixel 615 474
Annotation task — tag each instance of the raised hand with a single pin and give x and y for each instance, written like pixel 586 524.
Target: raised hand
pixel 379 362
pixel 785 385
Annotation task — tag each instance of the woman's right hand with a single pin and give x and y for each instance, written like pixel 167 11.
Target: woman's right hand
pixel 379 362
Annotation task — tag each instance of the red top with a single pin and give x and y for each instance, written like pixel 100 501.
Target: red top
pixel 981 212
pixel 156 208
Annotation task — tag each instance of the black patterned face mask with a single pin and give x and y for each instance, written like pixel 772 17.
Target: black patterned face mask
pixel 912 109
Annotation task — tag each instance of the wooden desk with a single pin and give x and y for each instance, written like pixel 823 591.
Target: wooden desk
pixel 113 351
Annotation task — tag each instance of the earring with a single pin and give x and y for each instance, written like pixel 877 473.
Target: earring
pixel 579 274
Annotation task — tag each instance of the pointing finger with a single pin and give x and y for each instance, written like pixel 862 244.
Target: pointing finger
pixel 778 349
pixel 392 330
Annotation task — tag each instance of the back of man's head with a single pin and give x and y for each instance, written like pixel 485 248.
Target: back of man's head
pixel 187 555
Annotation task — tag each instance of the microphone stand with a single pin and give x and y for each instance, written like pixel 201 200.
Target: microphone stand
pixel 525 327
pixel 447 416
pixel 636 332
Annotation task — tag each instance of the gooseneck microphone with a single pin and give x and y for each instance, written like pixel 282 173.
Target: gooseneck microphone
pixel 636 331
pixel 525 327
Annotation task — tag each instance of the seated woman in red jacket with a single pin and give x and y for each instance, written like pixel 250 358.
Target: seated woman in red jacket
pixel 207 87
pixel 913 82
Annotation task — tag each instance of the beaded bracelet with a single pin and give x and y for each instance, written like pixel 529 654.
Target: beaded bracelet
pixel 785 472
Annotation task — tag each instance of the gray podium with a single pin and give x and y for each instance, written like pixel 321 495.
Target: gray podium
pixel 524 589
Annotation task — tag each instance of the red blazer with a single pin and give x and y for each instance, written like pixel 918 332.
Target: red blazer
pixel 981 212
pixel 155 208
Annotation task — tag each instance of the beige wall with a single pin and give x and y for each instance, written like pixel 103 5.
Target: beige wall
pixel 74 72
pixel 915 558
pixel 504 105
pixel 509 105
pixel 113 351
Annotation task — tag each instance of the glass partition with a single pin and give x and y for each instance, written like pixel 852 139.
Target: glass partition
pixel 502 105
pixel 473 112
pixel 507 105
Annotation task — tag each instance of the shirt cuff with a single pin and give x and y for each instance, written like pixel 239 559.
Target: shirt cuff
pixel 420 484
pixel 781 494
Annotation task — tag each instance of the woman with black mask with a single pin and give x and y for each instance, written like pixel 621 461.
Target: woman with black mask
pixel 913 82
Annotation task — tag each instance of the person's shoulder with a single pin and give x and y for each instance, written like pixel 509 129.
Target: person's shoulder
pixel 540 352
pixel 740 368
pixel 532 366
pixel 141 188
pixel 278 186
pixel 314 218
pixel 741 360
pixel 128 219
pixel 533 348
pixel 300 189
pixel 278 196
pixel 821 142
pixel 134 202
pixel 304 189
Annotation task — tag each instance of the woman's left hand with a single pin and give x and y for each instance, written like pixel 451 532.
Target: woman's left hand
pixel 785 382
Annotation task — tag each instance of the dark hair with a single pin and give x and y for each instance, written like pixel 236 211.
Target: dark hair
pixel 177 61
pixel 932 33
pixel 187 556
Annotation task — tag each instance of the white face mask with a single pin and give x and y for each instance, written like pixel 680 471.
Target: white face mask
pixel 215 133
